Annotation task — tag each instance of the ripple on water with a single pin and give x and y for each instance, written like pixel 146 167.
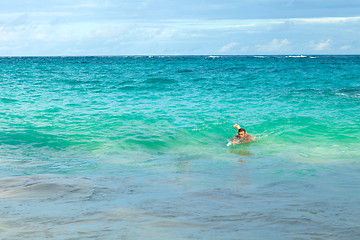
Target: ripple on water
pixel 49 187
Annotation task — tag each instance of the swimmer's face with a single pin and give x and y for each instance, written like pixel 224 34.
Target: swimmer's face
pixel 241 134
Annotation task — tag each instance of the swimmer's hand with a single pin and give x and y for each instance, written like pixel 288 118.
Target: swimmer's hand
pixel 232 142
pixel 235 142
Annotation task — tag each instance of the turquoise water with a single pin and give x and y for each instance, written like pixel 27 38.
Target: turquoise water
pixel 135 147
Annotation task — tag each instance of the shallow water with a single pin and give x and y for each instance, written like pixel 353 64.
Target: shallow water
pixel 135 147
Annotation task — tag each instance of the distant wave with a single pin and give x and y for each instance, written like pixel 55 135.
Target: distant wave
pixel 296 56
pixel 213 57
pixel 350 94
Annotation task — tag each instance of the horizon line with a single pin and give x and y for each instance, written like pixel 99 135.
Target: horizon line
pixel 176 55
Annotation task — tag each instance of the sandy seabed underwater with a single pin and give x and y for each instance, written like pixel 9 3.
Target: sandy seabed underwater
pixel 135 147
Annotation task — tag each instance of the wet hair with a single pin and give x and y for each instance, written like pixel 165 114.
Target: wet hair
pixel 242 130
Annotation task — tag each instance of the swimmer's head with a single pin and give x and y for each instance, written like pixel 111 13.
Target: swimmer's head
pixel 241 132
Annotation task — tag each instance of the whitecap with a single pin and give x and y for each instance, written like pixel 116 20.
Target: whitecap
pixel 296 56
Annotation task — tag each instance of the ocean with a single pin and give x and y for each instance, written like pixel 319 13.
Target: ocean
pixel 135 147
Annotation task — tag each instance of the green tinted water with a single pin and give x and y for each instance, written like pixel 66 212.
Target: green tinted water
pixel 128 135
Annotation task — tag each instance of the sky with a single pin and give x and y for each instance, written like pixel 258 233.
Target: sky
pixel 179 27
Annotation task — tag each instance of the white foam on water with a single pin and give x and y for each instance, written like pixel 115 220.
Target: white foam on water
pixel 296 56
pixel 346 95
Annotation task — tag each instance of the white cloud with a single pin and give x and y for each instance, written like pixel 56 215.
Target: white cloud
pixel 322 45
pixel 327 20
pixel 275 45
pixel 228 47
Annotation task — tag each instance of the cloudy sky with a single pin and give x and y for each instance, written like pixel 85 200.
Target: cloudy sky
pixel 167 27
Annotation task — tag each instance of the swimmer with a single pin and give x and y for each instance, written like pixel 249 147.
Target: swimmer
pixel 242 136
